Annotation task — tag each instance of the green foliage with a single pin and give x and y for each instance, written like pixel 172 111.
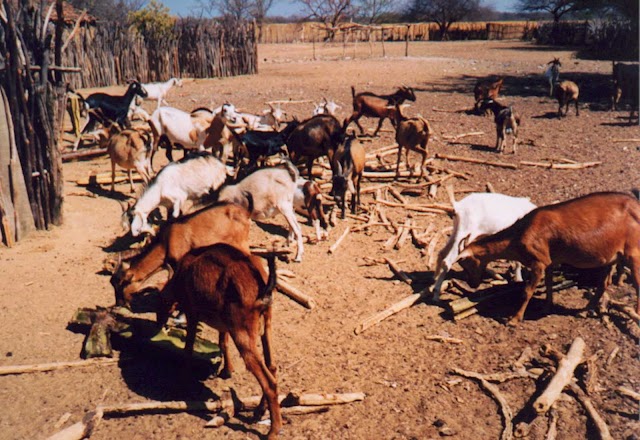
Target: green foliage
pixel 153 21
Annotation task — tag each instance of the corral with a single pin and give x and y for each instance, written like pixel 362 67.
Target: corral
pixel 404 364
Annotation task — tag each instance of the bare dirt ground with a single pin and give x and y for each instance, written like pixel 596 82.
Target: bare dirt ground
pixel 410 393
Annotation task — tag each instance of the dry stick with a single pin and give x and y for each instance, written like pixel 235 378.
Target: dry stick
pixel 451 138
pixel 560 166
pixel 612 356
pixel 80 430
pixel 333 248
pixel 90 152
pixel 597 420
pixel 490 188
pixel 367 225
pixel 406 228
pixel 394 192
pixel 437 208
pixel 629 393
pixel 382 213
pixel 552 432
pixel 434 242
pixel 474 160
pixel 507 415
pixel 562 378
pixel 296 295
pixel 373 188
pixel 439 338
pixel 385 174
pixel 36 368
pixel 390 311
pixel 622 307
pixel 626 140
pixel 402 275
pixel 391 241
pixel 418 241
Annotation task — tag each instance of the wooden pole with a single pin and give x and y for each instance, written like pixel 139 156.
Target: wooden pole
pixel 295 294
pixel 478 161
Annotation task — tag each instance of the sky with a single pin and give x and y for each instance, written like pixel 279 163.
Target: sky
pixel 287 7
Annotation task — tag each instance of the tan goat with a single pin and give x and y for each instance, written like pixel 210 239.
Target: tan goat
pixel 129 149
pixel 567 92
pixel 413 135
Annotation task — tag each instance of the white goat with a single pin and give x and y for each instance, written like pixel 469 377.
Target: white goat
pixel 475 215
pixel 188 179
pixel 189 130
pixel 269 120
pixel 552 74
pixel 159 90
pixel 272 190
pixel 136 111
pixel 326 107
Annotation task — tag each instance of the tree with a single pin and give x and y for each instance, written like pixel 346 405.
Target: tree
pixel 372 11
pixel 153 21
pixel 329 12
pixel 443 12
pixel 236 9
pixel 108 10
pixel 557 8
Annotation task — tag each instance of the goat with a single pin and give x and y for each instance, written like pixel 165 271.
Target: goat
pixel 307 200
pixel 507 121
pixel 377 106
pixel 625 83
pixel 261 144
pixel 188 179
pixel 159 90
pixel 566 92
pixel 348 165
pixel 128 149
pixel 413 135
pixel 136 111
pixel 269 120
pixel 552 74
pixel 486 89
pixel 592 231
pixel 199 129
pixel 272 191
pixel 476 215
pixel 315 137
pixel 228 289
pixel 326 108
pixel 109 107
pixel 220 223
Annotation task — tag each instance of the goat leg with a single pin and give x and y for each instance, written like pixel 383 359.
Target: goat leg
pixel 537 272
pixel 227 369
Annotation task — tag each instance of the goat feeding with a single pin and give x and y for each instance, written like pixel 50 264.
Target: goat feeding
pixel 593 231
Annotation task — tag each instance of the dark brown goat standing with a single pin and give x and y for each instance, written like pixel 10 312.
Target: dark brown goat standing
pixel 377 106
pixel 229 290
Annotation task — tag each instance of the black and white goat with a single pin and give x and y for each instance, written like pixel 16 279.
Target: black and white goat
pixel 507 122
pixel 104 108
pixel 262 144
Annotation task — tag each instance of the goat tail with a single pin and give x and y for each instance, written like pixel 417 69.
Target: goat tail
pixel 353 92
pixel 636 193
pixel 249 198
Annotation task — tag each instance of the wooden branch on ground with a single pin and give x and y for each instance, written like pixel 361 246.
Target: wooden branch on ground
pixel 626 140
pixel 418 241
pixel 507 415
pixel 295 294
pixel 84 154
pixel 453 138
pixel 560 166
pixel 80 430
pixel 622 307
pixel 434 241
pixel 435 109
pixel 289 101
pixel 552 431
pixel 394 192
pixel 385 174
pixel 402 275
pixel 368 225
pixel 390 311
pixel 406 228
pixel 373 188
pixel 37 368
pixel 436 208
pixel 628 393
pixel 448 340
pixel 478 161
pixel 597 420
pixel 334 247
pixel 463 176
pixel 562 378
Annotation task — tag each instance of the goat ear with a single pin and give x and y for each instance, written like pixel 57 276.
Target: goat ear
pixel 463 244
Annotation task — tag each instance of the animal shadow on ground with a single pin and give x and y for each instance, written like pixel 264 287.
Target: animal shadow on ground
pixel 488 148
pixel 98 190
pixel 547 115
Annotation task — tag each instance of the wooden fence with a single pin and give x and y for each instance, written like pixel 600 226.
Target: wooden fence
pixel 112 54
pixel 316 32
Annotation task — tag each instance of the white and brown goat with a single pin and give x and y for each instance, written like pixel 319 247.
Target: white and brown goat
pixel 594 231
pixel 507 122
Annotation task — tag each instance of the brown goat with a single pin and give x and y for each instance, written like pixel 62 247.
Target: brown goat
pixel 348 165
pixel 317 136
pixel 130 150
pixel 593 231
pixel 625 83
pixel 486 89
pixel 228 289
pixel 413 135
pixel 566 92
pixel 377 106
pixel 507 121
pixel 223 223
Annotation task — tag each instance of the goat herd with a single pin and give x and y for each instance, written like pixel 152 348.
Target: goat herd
pixel 215 278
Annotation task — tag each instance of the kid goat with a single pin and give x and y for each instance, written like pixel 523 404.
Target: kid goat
pixel 507 121
pixel 593 231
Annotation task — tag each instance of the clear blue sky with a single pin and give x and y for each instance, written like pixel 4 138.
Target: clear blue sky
pixel 287 7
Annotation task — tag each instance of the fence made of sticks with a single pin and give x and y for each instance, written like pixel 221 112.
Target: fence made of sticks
pixel 112 54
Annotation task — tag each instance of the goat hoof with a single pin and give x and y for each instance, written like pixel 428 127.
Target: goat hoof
pixel 225 374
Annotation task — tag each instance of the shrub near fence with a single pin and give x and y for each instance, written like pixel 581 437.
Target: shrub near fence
pixel 112 54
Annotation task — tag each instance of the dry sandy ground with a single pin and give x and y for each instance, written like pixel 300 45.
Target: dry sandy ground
pixel 410 392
